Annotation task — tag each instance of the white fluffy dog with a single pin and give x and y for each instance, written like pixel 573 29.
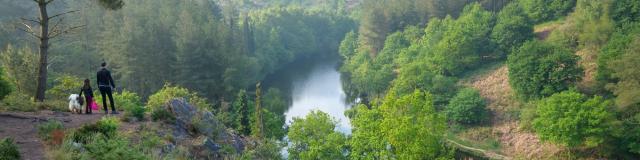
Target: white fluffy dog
pixel 74 104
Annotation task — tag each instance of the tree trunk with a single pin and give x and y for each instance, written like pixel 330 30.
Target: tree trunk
pixel 44 51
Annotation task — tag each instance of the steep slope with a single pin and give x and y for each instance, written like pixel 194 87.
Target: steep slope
pixel 514 142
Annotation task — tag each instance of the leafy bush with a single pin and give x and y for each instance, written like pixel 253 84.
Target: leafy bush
pixel 8 150
pixel 168 92
pixel 54 105
pixel 109 148
pixel 625 71
pixel 106 126
pixel 130 102
pixel 467 107
pixel 570 119
pixel 45 129
pixel 5 86
pixel 538 69
pixel 162 114
pixel 17 101
pixel 314 137
pixel 64 86
pixel 544 10
pixel 512 28
pixel 19 65
pixel 267 149
pixel 631 139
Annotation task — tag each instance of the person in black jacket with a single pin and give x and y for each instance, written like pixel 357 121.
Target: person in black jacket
pixel 106 86
pixel 88 95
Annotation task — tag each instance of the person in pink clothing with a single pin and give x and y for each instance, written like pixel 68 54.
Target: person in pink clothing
pixel 88 95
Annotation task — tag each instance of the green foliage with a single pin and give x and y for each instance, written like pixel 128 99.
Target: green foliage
pixel 626 11
pixel 349 45
pixel 273 100
pixel 467 107
pixel 17 101
pixel 571 119
pixel 464 43
pixel 592 22
pixel 20 66
pixel 273 124
pixel 627 88
pixel 238 114
pixel 8 150
pixel 314 137
pixel 366 141
pixel 267 149
pixel 631 138
pixel 129 101
pixel 169 92
pixel 545 10
pixel 412 126
pixel 617 45
pixel 105 148
pixel 45 129
pixel 64 86
pixel 409 125
pixel 512 28
pixel 107 126
pixel 5 86
pixel 162 114
pixel 538 70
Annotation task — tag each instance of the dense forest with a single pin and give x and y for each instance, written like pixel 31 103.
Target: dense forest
pixel 429 79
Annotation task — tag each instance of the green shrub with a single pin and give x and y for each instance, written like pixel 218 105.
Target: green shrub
pixel 162 114
pixel 539 69
pixel 109 148
pixel 467 107
pixel 45 129
pixel 544 10
pixel 8 150
pixel 64 86
pixel 130 102
pixel 571 119
pixel 17 101
pixel 168 92
pixel 54 105
pixel 267 149
pixel 107 126
pixel 5 86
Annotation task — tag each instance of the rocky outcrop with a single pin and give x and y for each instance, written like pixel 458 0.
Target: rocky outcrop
pixel 200 130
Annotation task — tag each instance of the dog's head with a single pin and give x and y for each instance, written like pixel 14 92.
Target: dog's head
pixel 73 97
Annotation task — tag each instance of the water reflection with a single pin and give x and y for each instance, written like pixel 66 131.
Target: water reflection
pixel 310 85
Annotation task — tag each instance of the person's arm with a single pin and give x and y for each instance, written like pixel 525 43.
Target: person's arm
pixel 98 78
pixel 111 80
pixel 81 91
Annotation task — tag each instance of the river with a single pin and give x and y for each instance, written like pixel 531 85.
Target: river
pixel 313 84
pixel 316 84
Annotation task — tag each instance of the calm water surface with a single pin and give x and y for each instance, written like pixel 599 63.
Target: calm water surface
pixel 313 85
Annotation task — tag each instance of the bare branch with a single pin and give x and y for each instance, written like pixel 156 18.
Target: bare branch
pixel 49 1
pixel 30 20
pixel 55 26
pixel 30 33
pixel 57 15
pixel 61 32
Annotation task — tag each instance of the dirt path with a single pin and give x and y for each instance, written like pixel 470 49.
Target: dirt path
pixel 488 154
pixel 22 127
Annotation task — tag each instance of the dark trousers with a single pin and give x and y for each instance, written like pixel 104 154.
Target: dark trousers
pixel 88 100
pixel 107 91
